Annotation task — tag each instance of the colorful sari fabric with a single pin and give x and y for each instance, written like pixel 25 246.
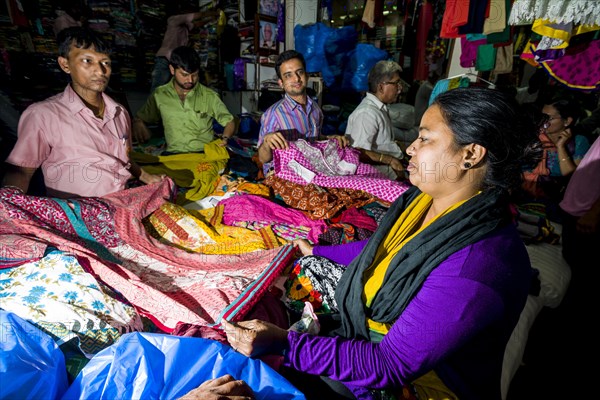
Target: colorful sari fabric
pixel 166 284
pixel 18 250
pixel 357 217
pixel 330 167
pixel 318 202
pixel 61 298
pixel 568 68
pixel 227 184
pixel 339 233
pixel 197 172
pixel 249 210
pixel 313 279
pixel 204 232
pixel 530 178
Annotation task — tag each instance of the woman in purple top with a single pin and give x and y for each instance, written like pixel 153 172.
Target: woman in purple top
pixel 428 303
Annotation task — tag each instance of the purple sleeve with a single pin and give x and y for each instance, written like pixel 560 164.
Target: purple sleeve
pixel 415 344
pixel 342 253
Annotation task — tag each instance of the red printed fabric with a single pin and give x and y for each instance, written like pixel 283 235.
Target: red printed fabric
pixel 165 283
pixel 332 167
pixel 317 202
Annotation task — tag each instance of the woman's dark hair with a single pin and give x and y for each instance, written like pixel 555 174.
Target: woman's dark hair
pixel 494 120
pixel 82 38
pixel 186 58
pixel 566 108
pixel 286 56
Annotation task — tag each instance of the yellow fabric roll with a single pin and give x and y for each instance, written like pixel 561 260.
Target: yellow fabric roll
pixel 204 232
pixel 199 172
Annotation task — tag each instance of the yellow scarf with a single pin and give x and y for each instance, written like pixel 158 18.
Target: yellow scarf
pixel 401 233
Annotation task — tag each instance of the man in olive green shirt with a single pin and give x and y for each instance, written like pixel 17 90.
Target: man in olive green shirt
pixel 185 107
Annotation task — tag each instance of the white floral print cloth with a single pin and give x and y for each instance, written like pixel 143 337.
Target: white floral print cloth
pixel 61 298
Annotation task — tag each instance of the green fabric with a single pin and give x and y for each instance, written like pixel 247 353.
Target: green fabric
pixel 486 57
pixel 188 126
pixel 409 268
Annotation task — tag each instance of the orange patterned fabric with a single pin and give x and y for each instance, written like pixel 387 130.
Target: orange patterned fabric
pixel 228 184
pixel 318 202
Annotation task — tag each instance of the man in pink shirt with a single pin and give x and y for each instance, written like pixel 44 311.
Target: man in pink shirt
pixel 80 138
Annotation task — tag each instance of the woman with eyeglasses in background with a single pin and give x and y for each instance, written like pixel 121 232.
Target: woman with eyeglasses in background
pixel 563 151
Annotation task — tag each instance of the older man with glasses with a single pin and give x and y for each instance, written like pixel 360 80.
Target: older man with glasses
pixel 370 127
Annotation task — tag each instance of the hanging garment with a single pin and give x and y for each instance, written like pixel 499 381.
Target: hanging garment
pixel 557 35
pixel 496 21
pixel 579 68
pixel 468 53
pixel 504 59
pixel 504 36
pixel 582 12
pixel 486 57
pixel 448 84
pixel 423 26
pixel 369 14
pixel 477 14
pixel 528 54
pixel 455 15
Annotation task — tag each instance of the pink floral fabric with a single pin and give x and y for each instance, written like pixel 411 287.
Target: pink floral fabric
pixel 18 250
pixel 365 178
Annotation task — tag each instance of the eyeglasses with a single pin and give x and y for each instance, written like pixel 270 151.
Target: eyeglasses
pixel 397 83
pixel 550 117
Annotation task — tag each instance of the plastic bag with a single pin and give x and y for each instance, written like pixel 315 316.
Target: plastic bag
pixel 361 60
pixel 338 47
pixel 310 41
pixel 31 364
pixel 239 74
pixel 156 366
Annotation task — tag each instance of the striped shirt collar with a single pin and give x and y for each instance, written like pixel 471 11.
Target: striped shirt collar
pixel 291 103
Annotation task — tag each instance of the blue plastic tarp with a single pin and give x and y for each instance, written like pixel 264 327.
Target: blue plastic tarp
pixel 31 364
pixel 156 366
pixel 361 60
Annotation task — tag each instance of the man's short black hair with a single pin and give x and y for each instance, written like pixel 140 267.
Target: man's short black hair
pixel 82 38
pixel 186 58
pixel 286 56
